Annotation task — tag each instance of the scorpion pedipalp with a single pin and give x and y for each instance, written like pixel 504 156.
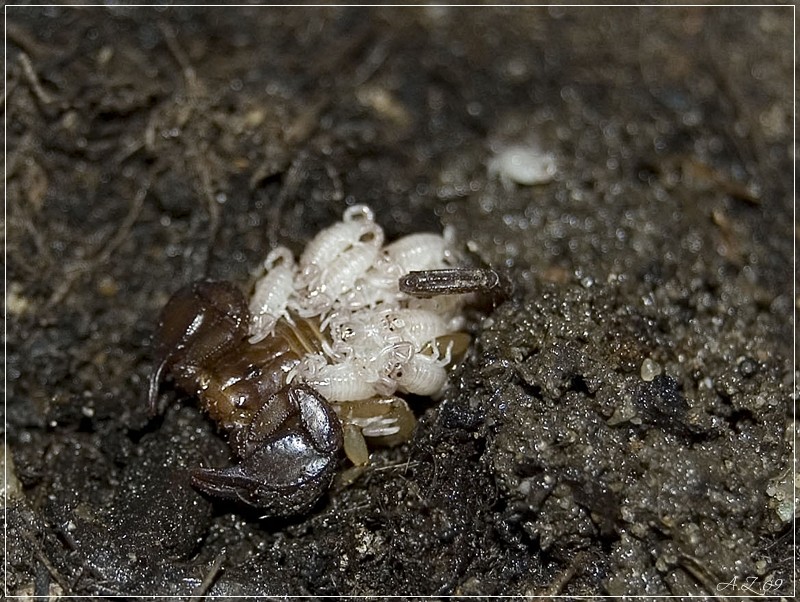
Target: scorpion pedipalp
pixel 288 469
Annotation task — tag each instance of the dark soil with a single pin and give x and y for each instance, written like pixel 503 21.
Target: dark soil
pixel 623 424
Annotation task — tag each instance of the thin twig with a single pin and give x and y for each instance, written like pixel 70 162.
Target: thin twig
pixel 189 74
pixel 40 556
pixel 33 79
pixel 211 576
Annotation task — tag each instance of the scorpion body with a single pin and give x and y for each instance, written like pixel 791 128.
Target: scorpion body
pixel 312 364
pixel 287 437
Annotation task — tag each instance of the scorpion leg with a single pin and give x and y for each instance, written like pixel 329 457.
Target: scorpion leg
pixel 288 455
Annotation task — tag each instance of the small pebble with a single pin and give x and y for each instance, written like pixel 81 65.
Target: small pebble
pixel 650 370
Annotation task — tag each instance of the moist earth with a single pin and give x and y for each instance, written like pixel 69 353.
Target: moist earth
pixel 623 422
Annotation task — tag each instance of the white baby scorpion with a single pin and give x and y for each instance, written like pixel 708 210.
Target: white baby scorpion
pixel 373 320
pixel 334 260
pixel 271 294
pixel 346 381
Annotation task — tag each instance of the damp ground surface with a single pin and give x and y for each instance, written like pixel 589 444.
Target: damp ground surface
pixel 622 424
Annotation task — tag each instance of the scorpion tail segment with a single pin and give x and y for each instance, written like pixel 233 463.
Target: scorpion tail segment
pixel 198 325
pixel 282 477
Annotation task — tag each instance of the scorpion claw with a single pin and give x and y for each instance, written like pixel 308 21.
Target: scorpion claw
pixel 287 470
pixel 284 477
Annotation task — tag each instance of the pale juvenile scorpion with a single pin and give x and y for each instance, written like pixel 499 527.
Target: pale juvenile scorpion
pixel 319 357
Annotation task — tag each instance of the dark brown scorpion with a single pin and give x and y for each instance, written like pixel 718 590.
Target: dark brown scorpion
pixel 287 437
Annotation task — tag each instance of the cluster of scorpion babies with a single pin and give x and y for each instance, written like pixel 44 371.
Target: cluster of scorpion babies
pixel 371 342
